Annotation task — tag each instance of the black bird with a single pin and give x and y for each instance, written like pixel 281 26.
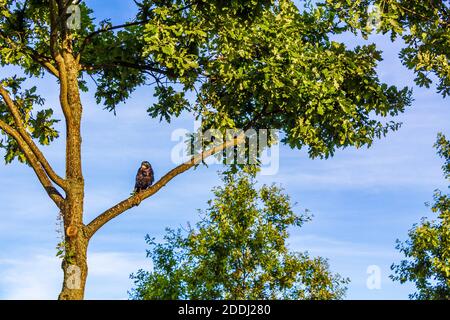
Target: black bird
pixel 144 177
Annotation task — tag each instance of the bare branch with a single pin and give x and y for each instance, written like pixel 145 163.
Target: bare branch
pixel 34 162
pixel 63 83
pixel 136 199
pixel 57 9
pixel 44 62
pixel 29 141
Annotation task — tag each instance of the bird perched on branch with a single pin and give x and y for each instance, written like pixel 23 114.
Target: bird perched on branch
pixel 144 177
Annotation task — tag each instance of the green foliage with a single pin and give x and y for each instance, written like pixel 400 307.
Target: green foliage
pixel 38 122
pixel 443 146
pixel 237 251
pixel 427 251
pixel 115 60
pixel 278 70
pixel 248 64
pixel 25 33
pixel 67 255
pixel 170 103
pixel 424 26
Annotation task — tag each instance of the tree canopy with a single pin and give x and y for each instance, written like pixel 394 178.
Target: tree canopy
pixel 260 64
pixel 238 251
pixel 424 26
pixel 249 64
pixel 427 251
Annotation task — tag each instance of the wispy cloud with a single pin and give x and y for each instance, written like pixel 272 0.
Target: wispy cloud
pixel 327 247
pixel 354 230
pixel 37 277
pixel 40 276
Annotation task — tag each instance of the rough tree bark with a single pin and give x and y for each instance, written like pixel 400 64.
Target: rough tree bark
pixel 75 262
pixel 68 192
pixel 77 234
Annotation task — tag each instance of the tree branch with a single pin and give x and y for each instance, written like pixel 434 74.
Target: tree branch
pixel 47 65
pixel 125 64
pixel 92 35
pixel 136 199
pixel 423 17
pixel 33 54
pixel 63 94
pixel 34 162
pixel 95 33
pixel 29 141
pixel 56 53
pixel 53 28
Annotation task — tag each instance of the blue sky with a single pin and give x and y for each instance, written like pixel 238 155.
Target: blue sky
pixel 362 200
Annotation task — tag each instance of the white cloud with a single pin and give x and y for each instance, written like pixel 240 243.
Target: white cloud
pixel 109 274
pixel 39 276
pixel 327 247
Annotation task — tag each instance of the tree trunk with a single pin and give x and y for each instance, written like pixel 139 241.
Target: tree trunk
pixel 74 264
pixel 75 269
